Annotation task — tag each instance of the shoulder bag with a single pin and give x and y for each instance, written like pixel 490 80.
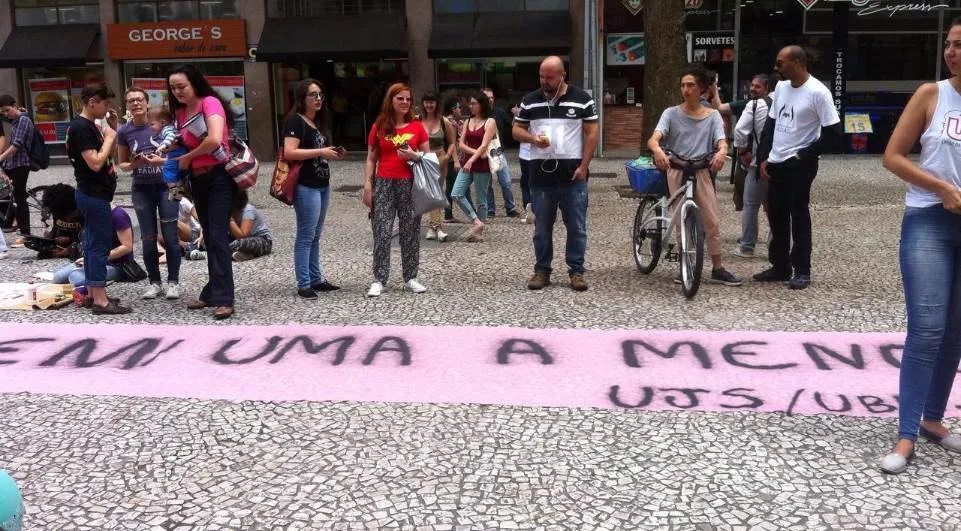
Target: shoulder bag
pixel 494 151
pixel 283 183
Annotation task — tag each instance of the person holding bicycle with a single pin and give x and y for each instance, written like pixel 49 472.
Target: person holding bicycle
pixel 692 131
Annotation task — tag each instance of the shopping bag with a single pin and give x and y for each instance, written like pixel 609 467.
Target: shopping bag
pixel 427 193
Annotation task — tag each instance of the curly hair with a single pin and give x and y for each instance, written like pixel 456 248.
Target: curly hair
pixel 59 200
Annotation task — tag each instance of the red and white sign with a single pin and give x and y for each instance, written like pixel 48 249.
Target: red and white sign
pixel 693 4
pixel 51 108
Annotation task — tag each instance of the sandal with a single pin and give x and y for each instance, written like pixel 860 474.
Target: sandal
pixel 112 308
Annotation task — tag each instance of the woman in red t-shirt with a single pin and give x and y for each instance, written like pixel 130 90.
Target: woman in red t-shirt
pixel 394 139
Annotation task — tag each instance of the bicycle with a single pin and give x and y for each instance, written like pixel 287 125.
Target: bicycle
pixel 653 230
pixel 8 207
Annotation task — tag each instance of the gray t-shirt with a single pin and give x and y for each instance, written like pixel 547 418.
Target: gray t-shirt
pixel 688 137
pixel 260 227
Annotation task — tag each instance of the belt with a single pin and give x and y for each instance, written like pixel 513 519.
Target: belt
pixel 197 171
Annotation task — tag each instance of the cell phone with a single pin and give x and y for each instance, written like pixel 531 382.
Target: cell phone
pixel 341 149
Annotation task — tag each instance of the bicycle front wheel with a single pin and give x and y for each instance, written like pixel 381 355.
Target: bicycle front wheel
pixel 647 236
pixel 692 251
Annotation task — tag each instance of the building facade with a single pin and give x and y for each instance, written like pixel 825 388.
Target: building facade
pixel 871 53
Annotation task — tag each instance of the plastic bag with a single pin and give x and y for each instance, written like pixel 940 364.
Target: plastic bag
pixel 427 193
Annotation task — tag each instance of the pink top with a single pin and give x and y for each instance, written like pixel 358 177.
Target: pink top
pixel 192 132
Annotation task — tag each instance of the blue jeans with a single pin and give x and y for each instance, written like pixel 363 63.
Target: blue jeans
pixel 310 207
pixel 462 186
pixel 149 202
pixel 71 274
pixel 931 271
pixel 98 234
pixel 504 180
pixel 214 198
pixel 572 201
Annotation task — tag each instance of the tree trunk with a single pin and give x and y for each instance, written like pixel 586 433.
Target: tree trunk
pixel 665 57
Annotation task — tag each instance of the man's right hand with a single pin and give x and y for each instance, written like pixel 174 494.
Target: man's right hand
pixel 542 141
pixel 764 174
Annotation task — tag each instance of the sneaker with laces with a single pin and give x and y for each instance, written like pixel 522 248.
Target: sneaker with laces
pixel 539 280
pixel 375 290
pixel 528 214
pixel 414 286
pixel 800 282
pixel 744 253
pixel 431 234
pixel 772 275
pixel 577 282
pixel 173 291
pixel 441 236
pixel 197 254
pixel 307 293
pixel 723 276
pixel 152 292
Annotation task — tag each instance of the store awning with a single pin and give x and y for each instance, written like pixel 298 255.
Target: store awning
pixel 63 45
pixel 336 37
pixel 501 34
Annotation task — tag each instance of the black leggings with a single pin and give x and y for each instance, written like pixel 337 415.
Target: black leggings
pixel 19 178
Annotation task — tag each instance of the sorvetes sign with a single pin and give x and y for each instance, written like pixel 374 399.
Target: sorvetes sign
pixel 177 39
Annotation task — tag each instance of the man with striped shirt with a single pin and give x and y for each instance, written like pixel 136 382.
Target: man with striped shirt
pixel 561 124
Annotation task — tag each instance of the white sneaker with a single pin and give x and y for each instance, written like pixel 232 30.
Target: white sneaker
pixel 441 236
pixel 152 292
pixel 431 234
pixel 375 289
pixel 414 286
pixel 197 254
pixel 528 214
pixel 173 291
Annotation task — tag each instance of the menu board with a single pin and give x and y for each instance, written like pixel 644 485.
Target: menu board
pixel 49 99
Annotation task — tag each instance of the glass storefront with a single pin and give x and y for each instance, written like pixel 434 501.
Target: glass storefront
pixel 52 96
pixel 353 92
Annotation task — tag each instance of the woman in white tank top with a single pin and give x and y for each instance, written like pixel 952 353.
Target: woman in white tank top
pixel 930 257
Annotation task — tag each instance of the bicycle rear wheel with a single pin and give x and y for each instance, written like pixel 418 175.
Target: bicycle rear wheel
pixel 39 216
pixel 692 251
pixel 647 236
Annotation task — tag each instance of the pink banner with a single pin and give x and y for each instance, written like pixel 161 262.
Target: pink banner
pixel 794 373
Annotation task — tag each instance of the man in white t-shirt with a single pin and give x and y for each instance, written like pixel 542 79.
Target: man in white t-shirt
pixel 801 123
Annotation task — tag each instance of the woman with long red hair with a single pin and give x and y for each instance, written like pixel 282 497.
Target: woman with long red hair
pixel 395 138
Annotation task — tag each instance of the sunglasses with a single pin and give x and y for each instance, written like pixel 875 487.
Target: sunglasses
pixel 315 95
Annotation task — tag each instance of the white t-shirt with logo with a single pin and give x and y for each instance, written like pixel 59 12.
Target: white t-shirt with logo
pixel 800 113
pixel 940 147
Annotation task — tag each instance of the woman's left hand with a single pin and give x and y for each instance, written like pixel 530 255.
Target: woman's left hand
pixel 718 161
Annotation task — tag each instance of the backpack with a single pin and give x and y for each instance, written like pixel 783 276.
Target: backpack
pixel 39 152
pixel 754 136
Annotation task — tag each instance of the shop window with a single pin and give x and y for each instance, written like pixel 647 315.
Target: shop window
pixel 473 6
pixel 316 8
pixel 893 57
pixel 53 96
pixel 53 12
pixel 134 11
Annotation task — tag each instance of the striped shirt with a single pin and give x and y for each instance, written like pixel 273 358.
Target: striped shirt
pixel 562 121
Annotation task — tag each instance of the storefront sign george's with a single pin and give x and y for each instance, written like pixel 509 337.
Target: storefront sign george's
pixel 872 7
pixel 177 39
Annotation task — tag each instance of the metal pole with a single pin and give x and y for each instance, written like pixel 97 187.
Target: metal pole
pixel 599 57
pixel 940 57
pixel 737 49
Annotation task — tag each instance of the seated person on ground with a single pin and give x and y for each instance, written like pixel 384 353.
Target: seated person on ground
pixel 249 233
pixel 63 239
pixel 122 251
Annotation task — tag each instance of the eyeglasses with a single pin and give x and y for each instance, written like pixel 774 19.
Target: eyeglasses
pixel 134 101
pixel 315 95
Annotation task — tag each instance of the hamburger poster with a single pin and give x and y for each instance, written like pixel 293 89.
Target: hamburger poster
pixel 50 100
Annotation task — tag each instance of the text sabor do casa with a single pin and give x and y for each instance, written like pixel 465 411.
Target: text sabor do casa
pixel 173 34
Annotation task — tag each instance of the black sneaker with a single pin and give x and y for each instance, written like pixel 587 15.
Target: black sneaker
pixel 307 293
pixel 324 286
pixel 723 276
pixel 772 275
pixel 514 214
pixel 800 282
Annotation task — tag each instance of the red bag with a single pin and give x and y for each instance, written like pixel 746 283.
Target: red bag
pixel 283 184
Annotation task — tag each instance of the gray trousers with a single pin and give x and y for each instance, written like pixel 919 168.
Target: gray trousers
pixel 755 191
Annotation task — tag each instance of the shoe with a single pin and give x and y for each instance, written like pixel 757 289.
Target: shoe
pixel 173 291
pixel 375 290
pixel 307 293
pixel 491 214
pixel 895 463
pixel 772 275
pixel 514 214
pixel 528 214
pixel 431 234
pixel 476 234
pixel 539 280
pixel 197 254
pixel 744 253
pixel 240 256
pixel 800 282
pixel 4 254
pixel 324 286
pixel 223 312
pixel 949 442
pixel 153 291
pixel 88 302
pixel 113 307
pixel 414 286
pixel 723 276
pixel 441 236
pixel 196 305
pixel 577 282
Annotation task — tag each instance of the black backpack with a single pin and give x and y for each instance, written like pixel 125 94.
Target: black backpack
pixel 39 152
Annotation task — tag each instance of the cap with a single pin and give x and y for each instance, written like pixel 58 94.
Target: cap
pixel 11 504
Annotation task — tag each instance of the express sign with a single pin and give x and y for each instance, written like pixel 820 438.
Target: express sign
pixel 177 39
